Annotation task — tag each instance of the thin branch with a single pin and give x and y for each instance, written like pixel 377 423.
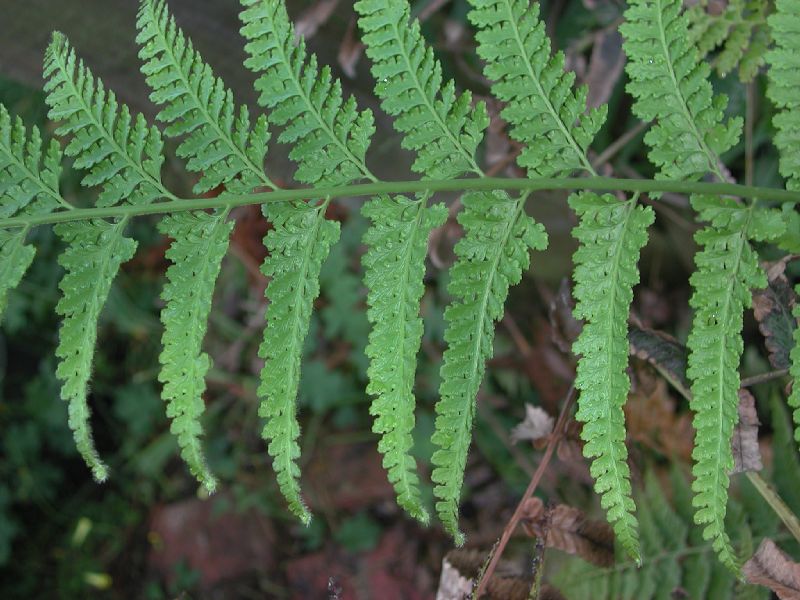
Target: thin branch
pixel 558 432
pixel 761 378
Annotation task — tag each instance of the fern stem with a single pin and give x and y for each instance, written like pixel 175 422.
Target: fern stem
pixel 411 187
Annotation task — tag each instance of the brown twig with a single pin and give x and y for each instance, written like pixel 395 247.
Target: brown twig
pixel 761 378
pixel 557 434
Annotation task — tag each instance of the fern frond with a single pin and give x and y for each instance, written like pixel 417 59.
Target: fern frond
pixel 492 256
pixel 95 250
pixel 123 155
pixel 739 31
pixel 611 234
pixel 545 113
pixel 783 83
pixel 28 176
pixel 727 269
pixel 298 245
pixel 329 136
pixel 200 241
pixel 394 272
pixel 15 258
pixel 670 85
pixel 441 127
pixel 218 142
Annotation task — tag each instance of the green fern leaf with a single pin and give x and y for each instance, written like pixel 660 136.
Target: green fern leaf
pixel 491 257
pixel 784 81
pixel 121 154
pixel 95 251
pixel 28 177
pixel 298 245
pixel 670 84
pixel 611 234
pixel 394 271
pixel 545 113
pixel 329 137
pixel 441 127
pixel 727 268
pixel 15 258
pixel 219 144
pixel 200 243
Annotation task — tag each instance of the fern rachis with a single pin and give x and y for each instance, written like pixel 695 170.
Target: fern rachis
pixel 329 137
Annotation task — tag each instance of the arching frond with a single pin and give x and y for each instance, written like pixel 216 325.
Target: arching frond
pixel 394 271
pixel 95 250
pixel 784 83
pixel 329 136
pixel 122 154
pixel 298 246
pixel 670 84
pixel 492 256
pixel 219 143
pixel 727 269
pixel 547 115
pixel 611 234
pixel 200 241
pixel 441 127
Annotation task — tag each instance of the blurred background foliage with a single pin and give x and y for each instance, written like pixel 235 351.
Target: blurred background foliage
pixel 148 533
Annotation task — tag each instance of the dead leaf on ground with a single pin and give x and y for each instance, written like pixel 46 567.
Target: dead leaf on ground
pixel 773 307
pixel 313 17
pixel 536 425
pixel 565 328
pixel 605 67
pixel 744 444
pixel 772 568
pixel 568 529
pixel 350 50
pixel 664 352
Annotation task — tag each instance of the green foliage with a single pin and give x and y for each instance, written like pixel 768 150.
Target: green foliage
pixel 670 84
pixel 95 251
pixel 611 234
pixel 784 80
pixel 219 143
pixel 200 242
pixel 492 256
pixel 540 103
pixel 739 32
pixel 328 138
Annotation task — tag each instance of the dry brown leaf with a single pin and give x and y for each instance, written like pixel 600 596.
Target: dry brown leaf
pixel 350 50
pixel 568 529
pixel 564 327
pixel 605 67
pixel 772 568
pixel 536 425
pixel 313 17
pixel 772 307
pixel 744 444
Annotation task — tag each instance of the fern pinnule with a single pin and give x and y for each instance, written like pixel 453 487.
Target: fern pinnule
pixel 546 115
pixel 95 250
pixel 28 176
pixel 611 234
pixel 218 140
pixel 121 154
pixel 394 269
pixel 15 258
pixel 329 136
pixel 491 257
pixel 440 126
pixel 670 85
pixel 298 245
pixel 200 241
pixel 783 83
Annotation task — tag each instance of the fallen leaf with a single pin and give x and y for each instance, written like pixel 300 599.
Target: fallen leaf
pixel 313 17
pixel 744 444
pixel 350 50
pixel 664 352
pixel 536 425
pixel 773 307
pixel 605 67
pixel 568 529
pixel 772 568
pixel 564 327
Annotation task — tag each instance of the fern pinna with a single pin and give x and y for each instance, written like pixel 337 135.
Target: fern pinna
pixel 328 138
